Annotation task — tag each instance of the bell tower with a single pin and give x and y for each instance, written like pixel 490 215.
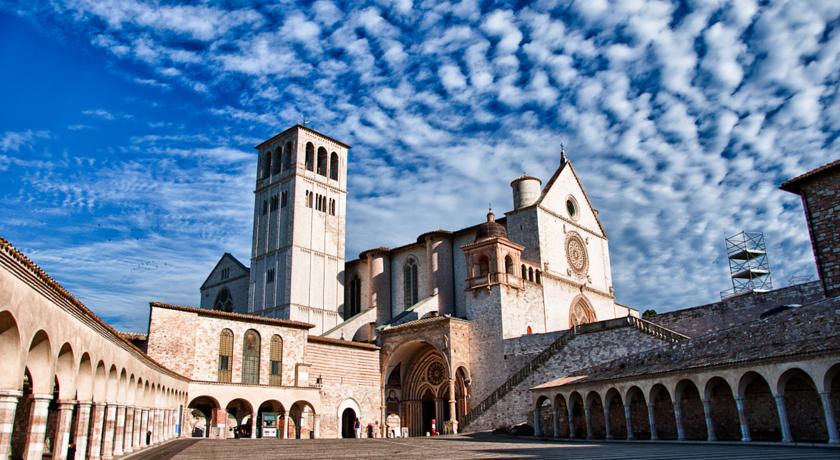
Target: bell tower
pixel 297 255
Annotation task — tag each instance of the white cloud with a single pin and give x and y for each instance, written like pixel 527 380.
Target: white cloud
pixel 500 24
pixel 13 141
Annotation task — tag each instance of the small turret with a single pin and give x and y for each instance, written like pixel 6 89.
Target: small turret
pixel 526 191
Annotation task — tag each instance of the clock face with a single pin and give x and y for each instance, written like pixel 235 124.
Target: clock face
pixel 576 254
pixel 436 373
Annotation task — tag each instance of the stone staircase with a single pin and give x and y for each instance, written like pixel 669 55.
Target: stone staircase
pixel 538 361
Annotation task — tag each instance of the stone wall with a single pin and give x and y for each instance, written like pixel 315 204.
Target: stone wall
pixel 821 199
pixel 350 377
pixel 734 311
pixel 581 352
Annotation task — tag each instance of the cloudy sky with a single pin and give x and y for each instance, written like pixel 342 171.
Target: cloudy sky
pixel 127 128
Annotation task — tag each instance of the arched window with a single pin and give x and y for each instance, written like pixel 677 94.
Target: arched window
pixel 276 161
pixel 225 356
pixel 266 165
pixel 355 297
pixel 224 301
pixel 276 376
pixel 334 166
pixel 288 156
pixel 251 357
pixel 524 272
pixel 483 266
pixel 310 156
pixel 538 276
pixel 531 274
pixel 581 312
pixel 410 283
pixel 509 266
pixel 322 161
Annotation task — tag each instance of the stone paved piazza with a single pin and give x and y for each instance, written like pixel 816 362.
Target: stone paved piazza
pixel 472 446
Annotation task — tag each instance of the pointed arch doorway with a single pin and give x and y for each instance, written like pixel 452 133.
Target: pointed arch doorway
pixel 348 419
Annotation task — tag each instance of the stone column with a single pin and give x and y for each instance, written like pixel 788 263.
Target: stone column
pixel 82 428
pixel 537 427
pixel 783 420
pixel 654 436
pixel 285 426
pixel 137 430
pixel 37 425
pixel 119 430
pixel 571 421
pixel 710 424
pixel 830 423
pixel 587 414
pixel 629 421
pixel 679 420
pixel 317 428
pixel 164 425
pixel 63 428
pixel 8 406
pixel 95 441
pixel 742 417
pixel 108 432
pixel 607 427
pixel 254 426
pixel 555 421
pixel 128 436
pixel 453 415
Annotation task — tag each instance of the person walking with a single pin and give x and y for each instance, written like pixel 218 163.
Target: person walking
pixel 357 427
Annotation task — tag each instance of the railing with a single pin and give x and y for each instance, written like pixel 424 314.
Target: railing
pixel 656 330
pixel 495 278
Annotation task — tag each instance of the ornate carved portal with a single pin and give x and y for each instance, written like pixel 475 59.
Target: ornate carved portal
pixel 581 312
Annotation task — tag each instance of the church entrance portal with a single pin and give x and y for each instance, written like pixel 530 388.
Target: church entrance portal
pixel 428 411
pixel 348 419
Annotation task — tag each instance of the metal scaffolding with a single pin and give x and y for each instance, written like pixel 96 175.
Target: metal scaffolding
pixel 748 264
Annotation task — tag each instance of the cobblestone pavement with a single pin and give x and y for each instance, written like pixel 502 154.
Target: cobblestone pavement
pixel 468 447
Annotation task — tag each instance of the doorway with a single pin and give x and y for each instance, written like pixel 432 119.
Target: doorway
pixel 428 406
pixel 348 419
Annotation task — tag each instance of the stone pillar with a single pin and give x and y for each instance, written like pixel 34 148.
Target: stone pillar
pixel 37 425
pixel 654 436
pixel 63 429
pixel 128 436
pixel 679 420
pixel 453 416
pixel 317 428
pixel 136 430
pixel 254 426
pixel 154 422
pixel 555 421
pixel 537 427
pixel 164 425
pixel 742 417
pixel 607 427
pixel 8 406
pixel 95 442
pixel 286 426
pixel 830 423
pixel 783 420
pixel 119 430
pixel 571 421
pixel 587 414
pixel 82 428
pixel 144 426
pixel 629 421
pixel 108 432
pixel 710 424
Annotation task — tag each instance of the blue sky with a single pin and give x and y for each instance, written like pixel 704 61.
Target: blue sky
pixel 127 129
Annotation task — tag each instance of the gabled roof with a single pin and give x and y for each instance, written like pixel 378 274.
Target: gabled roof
pixel 568 163
pixel 233 316
pixel 792 185
pixel 224 256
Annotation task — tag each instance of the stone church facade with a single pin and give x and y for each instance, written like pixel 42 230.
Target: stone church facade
pixel 512 320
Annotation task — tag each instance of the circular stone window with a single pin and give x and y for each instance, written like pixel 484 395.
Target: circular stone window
pixel 571 207
pixel 576 253
pixel 435 373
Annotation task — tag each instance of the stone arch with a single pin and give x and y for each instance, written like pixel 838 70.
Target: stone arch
pixel 639 421
pixel 309 161
pixel 581 311
pixel 265 165
pixel 84 379
pixel 803 406
pixel 345 429
pixel 509 267
pixel 577 416
pixel 723 410
pixel 544 421
pixel 271 406
pixel 691 413
pixel 239 412
pixel 100 383
pixel 288 156
pixel 113 385
pixel 10 345
pixel 322 162
pixel 203 413
pixel 597 423
pixel 302 415
pixel 615 414
pixel 65 372
pixel 414 359
pixel 663 410
pixel 39 362
pixel 334 166
pixel 122 387
pixel 561 412
pixel 276 160
pixel 759 407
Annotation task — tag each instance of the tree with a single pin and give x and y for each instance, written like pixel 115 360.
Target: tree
pixel 649 313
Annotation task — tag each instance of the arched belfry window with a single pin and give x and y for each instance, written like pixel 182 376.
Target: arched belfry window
pixel 225 356
pixel 524 272
pixel 310 156
pixel 410 283
pixel 276 375
pixel 355 296
pixel 322 161
pixel 224 301
pixel 288 156
pixel 483 266
pixel 251 357
pixel 276 161
pixel 334 166
pixel 266 165
pixel 509 266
